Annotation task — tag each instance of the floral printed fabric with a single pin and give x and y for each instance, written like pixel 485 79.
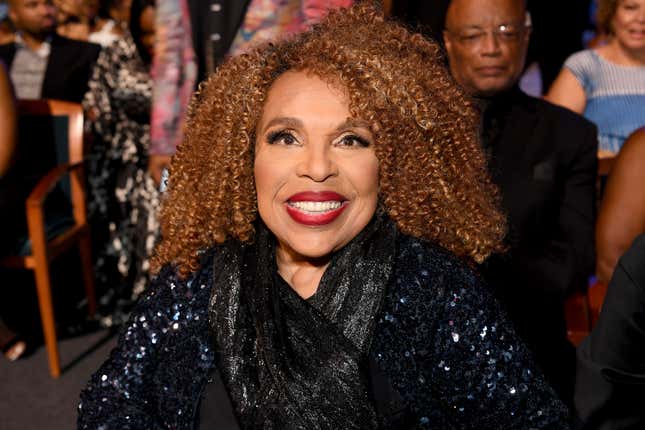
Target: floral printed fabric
pixel 122 198
pixel 174 71
pixel 270 19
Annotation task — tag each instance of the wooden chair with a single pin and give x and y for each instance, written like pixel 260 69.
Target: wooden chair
pixel 44 251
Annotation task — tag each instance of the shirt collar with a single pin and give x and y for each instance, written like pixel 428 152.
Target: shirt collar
pixel 42 52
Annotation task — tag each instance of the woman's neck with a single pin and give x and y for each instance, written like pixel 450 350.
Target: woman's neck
pixel 617 53
pixel 303 275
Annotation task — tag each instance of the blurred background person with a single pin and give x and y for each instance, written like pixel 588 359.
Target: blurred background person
pixel 11 344
pixel 122 198
pixel 607 83
pixel 43 64
pixel 7 29
pixel 622 211
pixel 96 21
pixel 194 37
pixel 543 158
pixel 104 18
pixel 72 19
pixel 557 29
pixel 611 360
pixel 7 122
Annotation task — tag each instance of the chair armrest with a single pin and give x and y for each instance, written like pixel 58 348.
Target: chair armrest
pixel 46 184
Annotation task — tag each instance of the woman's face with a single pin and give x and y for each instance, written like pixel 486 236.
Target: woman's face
pixel 316 172
pixel 629 24
pixel 147 24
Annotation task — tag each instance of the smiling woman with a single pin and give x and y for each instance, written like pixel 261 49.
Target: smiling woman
pixel 316 174
pixel 321 222
pixel 607 84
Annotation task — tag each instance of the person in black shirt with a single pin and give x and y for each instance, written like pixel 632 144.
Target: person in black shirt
pixel 543 158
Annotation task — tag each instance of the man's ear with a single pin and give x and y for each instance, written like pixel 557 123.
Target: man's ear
pixel 528 23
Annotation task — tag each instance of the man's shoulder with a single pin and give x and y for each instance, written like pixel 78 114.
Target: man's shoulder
pixel 7 49
pixel 78 46
pixel 558 116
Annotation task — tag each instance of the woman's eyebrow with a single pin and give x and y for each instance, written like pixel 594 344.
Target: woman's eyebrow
pixel 296 123
pixel 353 123
pixel 284 121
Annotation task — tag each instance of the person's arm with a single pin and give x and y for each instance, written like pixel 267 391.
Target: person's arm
pixel 610 371
pixel 7 122
pixel 174 71
pixel 97 103
pixel 622 212
pixel 567 91
pixel 483 373
pixel 168 320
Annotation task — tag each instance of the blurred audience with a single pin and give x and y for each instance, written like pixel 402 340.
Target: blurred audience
pixel 622 211
pixel 72 18
pixel 43 64
pixel 607 83
pixel 611 360
pixel 543 158
pixel 194 36
pixel 7 121
pixel 11 344
pixel 7 30
pixel 558 28
pixel 103 19
pixel 96 21
pixel 123 199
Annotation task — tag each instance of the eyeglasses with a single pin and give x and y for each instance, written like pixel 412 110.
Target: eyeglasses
pixel 503 33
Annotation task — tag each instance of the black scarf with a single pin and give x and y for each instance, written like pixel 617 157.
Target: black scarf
pixel 290 363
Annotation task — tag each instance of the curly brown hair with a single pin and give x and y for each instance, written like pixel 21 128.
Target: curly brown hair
pixel 605 15
pixel 432 172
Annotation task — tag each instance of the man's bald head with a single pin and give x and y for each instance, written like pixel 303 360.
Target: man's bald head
pixel 486 42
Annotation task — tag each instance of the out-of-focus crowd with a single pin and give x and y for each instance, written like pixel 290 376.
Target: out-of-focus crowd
pixel 134 64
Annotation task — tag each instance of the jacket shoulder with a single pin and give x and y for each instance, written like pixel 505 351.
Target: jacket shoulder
pixel 78 46
pixel 564 116
pixel 7 50
pixel 418 257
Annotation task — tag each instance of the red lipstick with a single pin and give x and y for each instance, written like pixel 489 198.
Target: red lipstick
pixel 315 218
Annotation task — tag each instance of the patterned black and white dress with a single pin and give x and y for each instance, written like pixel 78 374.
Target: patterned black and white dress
pixel 123 199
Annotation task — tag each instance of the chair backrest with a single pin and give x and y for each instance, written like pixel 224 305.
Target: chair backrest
pixel 50 132
pixel 70 129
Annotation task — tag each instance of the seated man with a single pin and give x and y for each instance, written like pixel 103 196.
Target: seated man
pixel 41 63
pixel 544 160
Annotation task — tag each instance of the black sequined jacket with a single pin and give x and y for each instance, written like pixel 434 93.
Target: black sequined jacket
pixel 441 341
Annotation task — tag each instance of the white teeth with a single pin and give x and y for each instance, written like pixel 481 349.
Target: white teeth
pixel 316 207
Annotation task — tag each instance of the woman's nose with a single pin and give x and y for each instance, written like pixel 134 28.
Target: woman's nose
pixel 317 163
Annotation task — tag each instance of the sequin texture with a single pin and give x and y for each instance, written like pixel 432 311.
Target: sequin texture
pixel 482 378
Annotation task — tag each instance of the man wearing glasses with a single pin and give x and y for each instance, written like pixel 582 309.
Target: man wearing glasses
pixel 544 160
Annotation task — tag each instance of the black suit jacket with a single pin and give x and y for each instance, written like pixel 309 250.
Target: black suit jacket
pixel 214 25
pixel 68 70
pixel 544 160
